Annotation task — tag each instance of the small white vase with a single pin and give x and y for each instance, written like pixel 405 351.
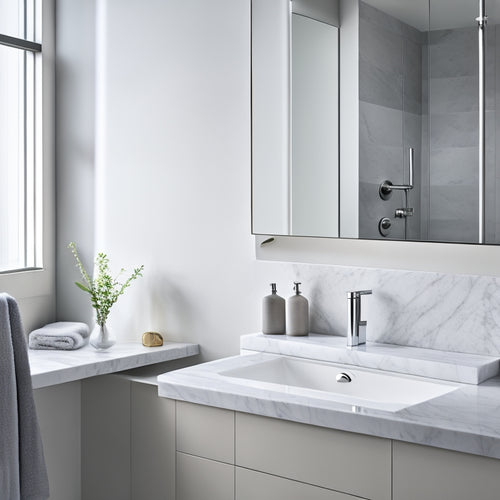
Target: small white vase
pixel 101 338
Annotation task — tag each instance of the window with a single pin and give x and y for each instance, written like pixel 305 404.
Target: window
pixel 20 135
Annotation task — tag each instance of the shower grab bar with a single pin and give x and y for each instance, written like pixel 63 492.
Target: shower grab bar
pixel 387 186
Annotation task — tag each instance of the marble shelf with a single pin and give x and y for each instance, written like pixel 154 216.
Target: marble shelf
pixel 451 366
pixel 51 367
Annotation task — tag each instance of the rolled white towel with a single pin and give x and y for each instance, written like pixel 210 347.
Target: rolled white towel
pixel 64 335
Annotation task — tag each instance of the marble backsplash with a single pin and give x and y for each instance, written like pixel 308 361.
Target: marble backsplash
pixel 458 313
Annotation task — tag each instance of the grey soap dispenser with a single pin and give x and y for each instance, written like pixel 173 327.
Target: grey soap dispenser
pixel 297 314
pixel 273 313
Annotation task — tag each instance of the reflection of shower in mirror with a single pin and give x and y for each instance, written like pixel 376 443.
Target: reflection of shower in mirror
pixel 428 82
pixel 387 187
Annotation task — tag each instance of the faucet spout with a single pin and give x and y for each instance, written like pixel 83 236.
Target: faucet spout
pixel 356 327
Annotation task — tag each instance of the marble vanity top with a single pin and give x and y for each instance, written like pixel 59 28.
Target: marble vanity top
pixel 51 367
pixel 466 419
pixel 443 365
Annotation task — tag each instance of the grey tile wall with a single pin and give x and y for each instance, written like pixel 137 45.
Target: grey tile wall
pixel 454 132
pixel 453 135
pixel 496 140
pixel 424 152
pixel 390 90
pixel 420 90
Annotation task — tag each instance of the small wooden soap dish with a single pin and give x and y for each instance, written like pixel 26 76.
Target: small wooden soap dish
pixel 152 339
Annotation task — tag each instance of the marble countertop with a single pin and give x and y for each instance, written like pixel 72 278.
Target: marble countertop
pixel 466 419
pixel 443 365
pixel 51 367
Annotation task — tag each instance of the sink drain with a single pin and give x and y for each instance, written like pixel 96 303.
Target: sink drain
pixel 343 378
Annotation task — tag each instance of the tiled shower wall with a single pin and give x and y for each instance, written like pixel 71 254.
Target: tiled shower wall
pixel 420 89
pixel 390 121
pixel 453 138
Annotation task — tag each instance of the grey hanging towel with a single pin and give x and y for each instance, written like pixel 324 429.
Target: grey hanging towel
pixel 23 474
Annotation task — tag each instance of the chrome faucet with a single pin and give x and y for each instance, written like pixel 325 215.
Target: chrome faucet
pixel 356 327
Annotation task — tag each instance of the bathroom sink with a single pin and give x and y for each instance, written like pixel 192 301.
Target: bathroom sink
pixel 359 387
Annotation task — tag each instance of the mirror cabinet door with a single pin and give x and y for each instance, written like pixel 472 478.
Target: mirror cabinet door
pixel 295 116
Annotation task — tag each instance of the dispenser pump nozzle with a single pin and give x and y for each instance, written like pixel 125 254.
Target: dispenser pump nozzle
pixel 273 288
pixel 296 287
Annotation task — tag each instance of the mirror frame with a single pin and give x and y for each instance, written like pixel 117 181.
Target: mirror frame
pixel 448 258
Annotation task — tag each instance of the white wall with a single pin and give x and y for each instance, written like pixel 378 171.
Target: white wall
pixel 75 139
pixel 315 127
pixel 173 167
pixel 173 192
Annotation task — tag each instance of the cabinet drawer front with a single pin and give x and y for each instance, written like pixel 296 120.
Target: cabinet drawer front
pixel 426 472
pixel 342 461
pixel 251 485
pixel 205 431
pixel 203 479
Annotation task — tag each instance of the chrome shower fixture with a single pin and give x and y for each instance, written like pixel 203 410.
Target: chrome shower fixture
pixel 384 226
pixel 387 187
pixel 400 213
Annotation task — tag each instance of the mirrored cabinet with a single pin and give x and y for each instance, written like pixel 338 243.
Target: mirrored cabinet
pixel 376 119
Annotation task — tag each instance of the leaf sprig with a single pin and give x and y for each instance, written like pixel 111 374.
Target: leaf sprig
pixel 103 289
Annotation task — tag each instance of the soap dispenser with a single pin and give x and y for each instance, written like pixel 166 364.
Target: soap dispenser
pixel 297 314
pixel 273 313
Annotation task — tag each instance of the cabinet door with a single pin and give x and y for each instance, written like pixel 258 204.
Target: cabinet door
pixel 61 436
pixel 205 431
pixel 423 472
pixel 105 438
pixel 342 461
pixel 251 485
pixel 203 479
pixel 152 447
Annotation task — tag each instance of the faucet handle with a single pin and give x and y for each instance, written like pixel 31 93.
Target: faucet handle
pixel 357 293
pixel 356 327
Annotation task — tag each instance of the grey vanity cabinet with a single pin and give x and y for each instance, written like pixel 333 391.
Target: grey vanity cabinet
pixel 221 454
pixel 203 479
pixel 205 431
pixel 342 461
pixel 227 455
pixel 128 441
pixel 253 485
pixel 204 452
pixel 423 472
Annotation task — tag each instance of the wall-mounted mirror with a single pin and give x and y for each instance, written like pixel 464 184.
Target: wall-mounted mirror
pixel 295 80
pixel 417 168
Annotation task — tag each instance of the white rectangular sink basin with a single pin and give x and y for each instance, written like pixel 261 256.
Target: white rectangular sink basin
pixel 367 388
